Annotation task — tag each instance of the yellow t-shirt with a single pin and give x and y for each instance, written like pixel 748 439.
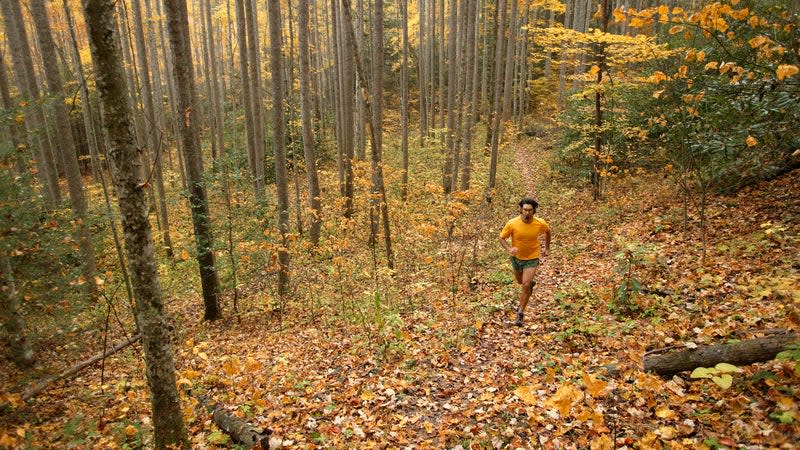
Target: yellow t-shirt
pixel 525 236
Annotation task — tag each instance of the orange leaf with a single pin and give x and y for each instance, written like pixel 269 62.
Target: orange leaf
pixel 786 70
pixel 564 398
pixel 526 394
pixel 595 388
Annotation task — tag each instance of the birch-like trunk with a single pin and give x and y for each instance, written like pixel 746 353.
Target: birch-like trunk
pixel 34 118
pixel 279 142
pixel 314 203
pixel 169 427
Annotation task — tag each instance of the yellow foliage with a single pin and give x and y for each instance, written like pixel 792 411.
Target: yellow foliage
pixel 527 394
pixel 751 141
pixel 786 70
pixel 740 14
pixel 564 398
pixel 758 41
pixel 721 25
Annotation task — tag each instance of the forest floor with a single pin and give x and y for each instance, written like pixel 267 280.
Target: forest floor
pixel 428 361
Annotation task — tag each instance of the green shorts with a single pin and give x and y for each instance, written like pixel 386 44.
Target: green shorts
pixel 520 264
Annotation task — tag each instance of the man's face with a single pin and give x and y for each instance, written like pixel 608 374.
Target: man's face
pixel 527 211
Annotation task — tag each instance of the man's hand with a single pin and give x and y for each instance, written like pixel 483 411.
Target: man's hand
pixel 512 251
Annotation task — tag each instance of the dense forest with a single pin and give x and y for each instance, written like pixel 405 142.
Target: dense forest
pixel 228 224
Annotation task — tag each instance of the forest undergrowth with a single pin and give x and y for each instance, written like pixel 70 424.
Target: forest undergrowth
pixel 426 357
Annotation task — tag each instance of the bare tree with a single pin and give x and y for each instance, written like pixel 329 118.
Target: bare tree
pixel 178 27
pixel 279 141
pixel 404 98
pixel 26 81
pixel 170 429
pixel 17 141
pixel 373 103
pixel 308 128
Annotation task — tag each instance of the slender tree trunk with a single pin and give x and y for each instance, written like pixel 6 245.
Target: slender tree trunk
pixel 178 26
pixel 422 73
pixel 461 82
pixel 378 189
pixel 562 68
pixel 151 124
pixel 601 63
pixel 470 93
pixel 360 140
pixel 496 116
pixel 19 346
pixel 508 73
pixel 94 148
pixel 452 87
pixel 404 99
pixel 279 139
pixel 67 144
pixel 34 119
pixel 168 423
pixel 312 179
pixel 20 154
pixel 259 136
pixel 249 124
pixel 346 98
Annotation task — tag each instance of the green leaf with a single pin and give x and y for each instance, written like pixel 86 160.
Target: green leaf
pixel 724 381
pixel 703 372
pixel 784 417
pixel 726 368
pixel 218 438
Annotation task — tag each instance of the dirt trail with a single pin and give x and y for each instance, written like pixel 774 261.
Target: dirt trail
pixel 471 390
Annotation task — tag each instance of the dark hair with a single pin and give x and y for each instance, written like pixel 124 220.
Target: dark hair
pixel 529 201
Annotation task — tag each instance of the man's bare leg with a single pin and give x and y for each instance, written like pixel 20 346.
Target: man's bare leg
pixel 528 275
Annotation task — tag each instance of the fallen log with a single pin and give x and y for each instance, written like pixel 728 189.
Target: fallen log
pixel 240 431
pixel 738 353
pixel 42 384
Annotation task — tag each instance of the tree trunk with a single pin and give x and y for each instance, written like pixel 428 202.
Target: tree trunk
pixel 34 119
pixel 178 27
pixel 314 202
pixel 168 423
pixel 404 99
pixel 360 140
pixel 279 142
pixel 471 94
pixel 259 134
pixel 562 68
pixel 249 124
pixel 601 63
pixel 422 80
pixel 67 144
pixel 151 125
pixel 346 98
pixel 94 149
pixel 739 353
pixel 508 73
pixel 453 45
pixel 19 154
pixel 378 189
pixel 19 346
pixel 496 113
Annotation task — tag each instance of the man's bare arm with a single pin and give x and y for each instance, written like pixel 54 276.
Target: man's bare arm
pixel 509 249
pixel 547 236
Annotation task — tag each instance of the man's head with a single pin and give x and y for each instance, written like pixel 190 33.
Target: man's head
pixel 527 208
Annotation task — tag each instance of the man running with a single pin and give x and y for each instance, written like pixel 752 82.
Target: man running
pixel 525 249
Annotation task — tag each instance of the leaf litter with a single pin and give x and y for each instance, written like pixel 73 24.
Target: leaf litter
pixel 436 364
